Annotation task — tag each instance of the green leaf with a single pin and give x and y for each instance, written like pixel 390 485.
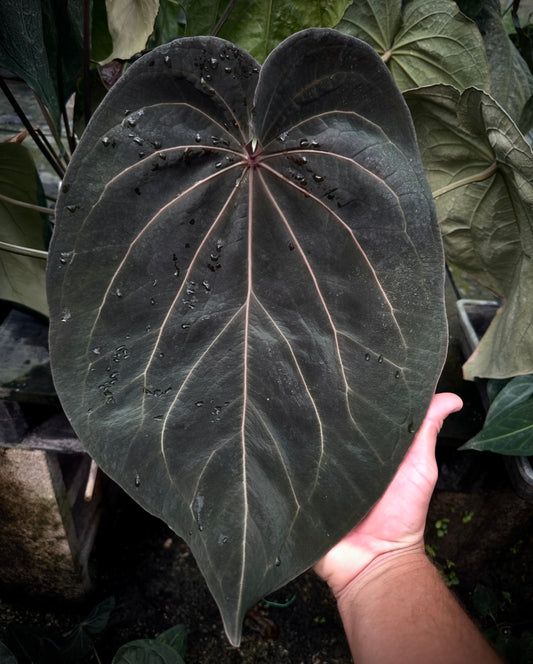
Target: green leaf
pixel 259 25
pixel 246 286
pixel 23 277
pixel 146 651
pixel 423 41
pixel 508 428
pixel 97 620
pixel 511 80
pixel 34 36
pixel 176 638
pixel 101 40
pixel 170 22
pixel 485 601
pixel 480 169
pixel 130 24
pixel 6 656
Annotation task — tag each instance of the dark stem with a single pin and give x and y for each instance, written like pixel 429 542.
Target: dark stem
pixel 224 17
pixel 87 60
pixel 63 21
pixel 50 156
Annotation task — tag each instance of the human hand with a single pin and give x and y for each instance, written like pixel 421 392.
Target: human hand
pixel 395 525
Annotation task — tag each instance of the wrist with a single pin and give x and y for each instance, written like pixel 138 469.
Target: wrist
pixel 383 568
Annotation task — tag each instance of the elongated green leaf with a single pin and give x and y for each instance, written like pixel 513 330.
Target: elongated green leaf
pixel 130 23
pixel 422 41
pixel 23 277
pixel 508 428
pixel 481 169
pixel 36 35
pixel 246 286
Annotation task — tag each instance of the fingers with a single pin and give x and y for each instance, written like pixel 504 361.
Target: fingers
pixel 422 451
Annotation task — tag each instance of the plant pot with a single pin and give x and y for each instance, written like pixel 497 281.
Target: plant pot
pixel 475 317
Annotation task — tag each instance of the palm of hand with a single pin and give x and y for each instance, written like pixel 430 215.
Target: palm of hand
pixel 396 523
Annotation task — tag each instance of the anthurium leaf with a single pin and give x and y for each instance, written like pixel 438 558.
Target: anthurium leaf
pixel 23 277
pixel 246 285
pixel 508 427
pixel 147 651
pixel 422 41
pixel 36 35
pixel 260 25
pixel 130 23
pixel 511 80
pixel 176 638
pixel 480 168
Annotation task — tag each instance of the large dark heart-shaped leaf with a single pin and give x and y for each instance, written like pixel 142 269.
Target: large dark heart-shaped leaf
pixel 246 294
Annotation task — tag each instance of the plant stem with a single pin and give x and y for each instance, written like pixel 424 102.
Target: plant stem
pixel 479 177
pixel 23 251
pixel 87 60
pixel 224 17
pixel 58 168
pixel 29 206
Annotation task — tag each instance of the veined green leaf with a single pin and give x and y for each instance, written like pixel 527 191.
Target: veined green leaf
pixel 23 277
pixel 422 41
pixel 246 286
pixel 480 169
pixel 508 428
pixel 259 25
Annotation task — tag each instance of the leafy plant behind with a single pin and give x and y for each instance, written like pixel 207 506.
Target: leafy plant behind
pixel 246 295
pixel 423 42
pixel 23 276
pixel 482 185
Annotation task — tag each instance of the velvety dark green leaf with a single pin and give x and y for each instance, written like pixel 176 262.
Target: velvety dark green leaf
pixel 422 41
pixel 511 82
pixel 23 277
pixel 34 36
pixel 246 285
pixel 147 651
pixel 508 428
pixel 480 168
